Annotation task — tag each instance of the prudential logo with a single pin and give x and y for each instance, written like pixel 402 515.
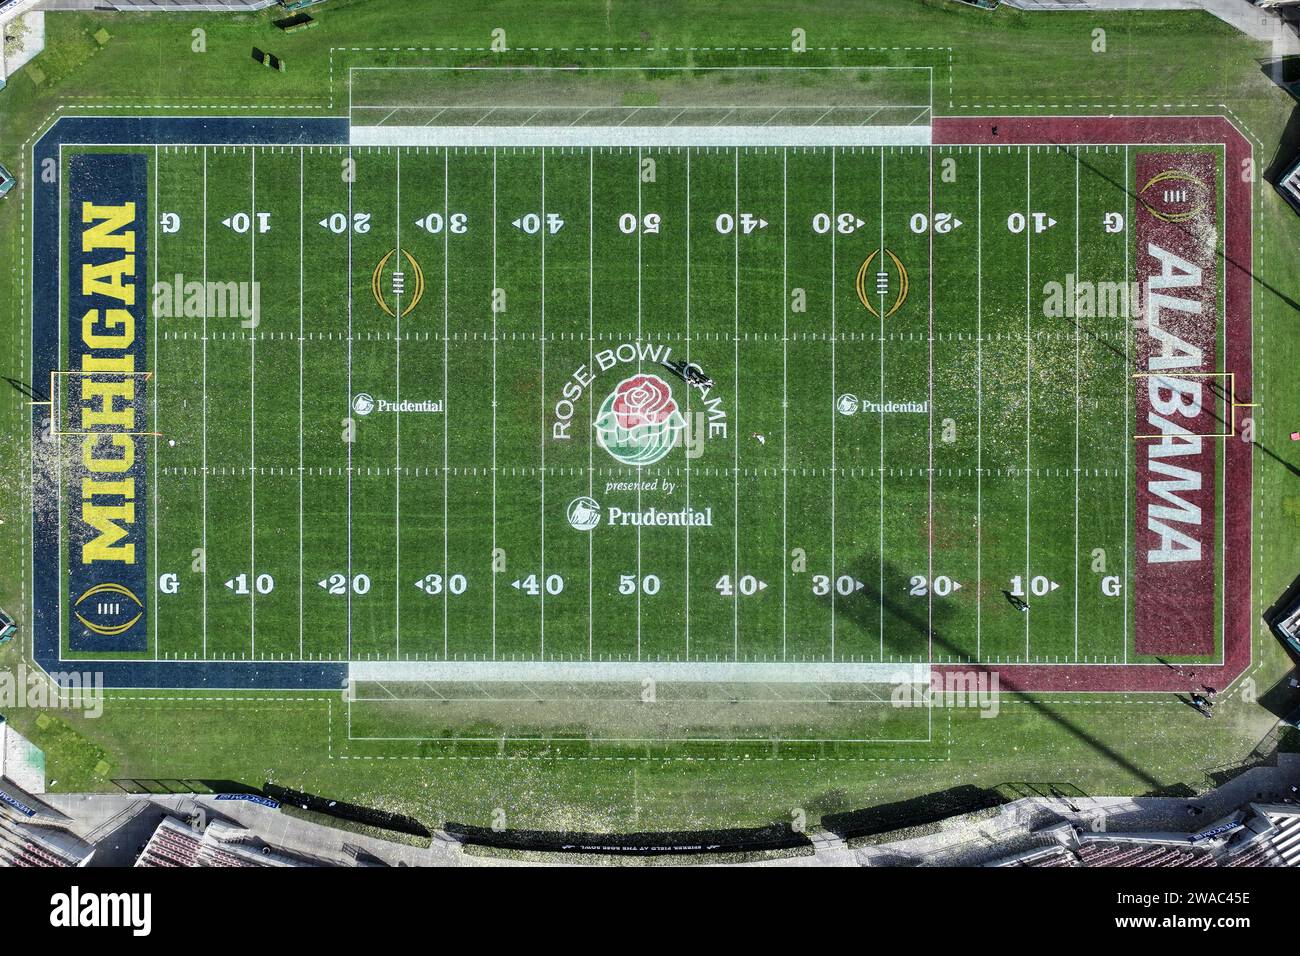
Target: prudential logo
pixel 584 514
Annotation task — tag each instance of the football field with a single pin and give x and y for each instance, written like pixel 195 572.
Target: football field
pixel 418 404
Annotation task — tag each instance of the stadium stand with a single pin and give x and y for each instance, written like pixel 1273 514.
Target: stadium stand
pixel 175 844
pixel 1266 835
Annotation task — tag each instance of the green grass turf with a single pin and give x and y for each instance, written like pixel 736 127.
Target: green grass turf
pixel 277 492
pixel 1184 62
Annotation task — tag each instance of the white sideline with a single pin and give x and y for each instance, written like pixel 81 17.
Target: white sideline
pixel 661 136
pixel 637 671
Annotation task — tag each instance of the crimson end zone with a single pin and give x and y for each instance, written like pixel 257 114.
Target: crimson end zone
pixel 1191 362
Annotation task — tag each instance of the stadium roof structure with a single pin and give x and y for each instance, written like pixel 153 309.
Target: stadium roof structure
pixel 1288 184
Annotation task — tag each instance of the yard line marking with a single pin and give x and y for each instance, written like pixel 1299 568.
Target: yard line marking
pixel 979 401
pixel 301 217
pixel 541 232
pixel 348 397
pixel 157 192
pixel 687 578
pixel 1077 411
pixel 591 351
pixel 785 395
pixel 929 435
pixel 880 315
pixel 1028 369
pixel 205 402
pixel 735 444
pixel 494 400
pixel 638 368
pixel 834 469
pixel 446 346
pixel 397 427
pixel 1128 430
pixel 252 416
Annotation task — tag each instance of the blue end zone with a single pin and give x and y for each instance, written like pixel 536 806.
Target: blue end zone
pixel 110 184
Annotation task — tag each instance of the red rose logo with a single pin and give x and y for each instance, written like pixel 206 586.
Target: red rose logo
pixel 643 400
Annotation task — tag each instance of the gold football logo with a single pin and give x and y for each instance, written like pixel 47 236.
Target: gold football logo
pixel 1174 196
pixel 397 284
pixel 882 283
pixel 107 608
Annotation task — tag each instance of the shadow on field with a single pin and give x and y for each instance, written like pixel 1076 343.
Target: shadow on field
pixel 927 620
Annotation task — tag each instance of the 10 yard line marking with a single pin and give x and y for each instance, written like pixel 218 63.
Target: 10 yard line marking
pixel 1028 370
pixel 252 419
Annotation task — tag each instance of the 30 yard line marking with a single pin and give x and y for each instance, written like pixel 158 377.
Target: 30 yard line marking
pixel 446 410
pixel 834 412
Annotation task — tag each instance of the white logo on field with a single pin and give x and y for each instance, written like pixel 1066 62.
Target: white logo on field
pixel 848 404
pixel 584 513
pixel 363 404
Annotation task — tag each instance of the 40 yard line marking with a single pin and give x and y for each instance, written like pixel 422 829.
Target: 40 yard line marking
pixel 735 432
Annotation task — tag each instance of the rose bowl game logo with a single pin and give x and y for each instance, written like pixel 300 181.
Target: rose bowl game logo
pixel 639 422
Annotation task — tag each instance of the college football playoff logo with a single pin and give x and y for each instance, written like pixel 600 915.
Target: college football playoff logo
pixel 639 422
